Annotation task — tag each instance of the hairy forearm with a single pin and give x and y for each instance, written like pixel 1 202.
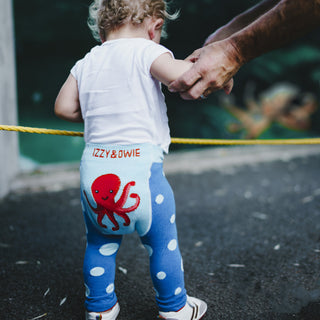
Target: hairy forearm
pixel 285 22
pixel 242 20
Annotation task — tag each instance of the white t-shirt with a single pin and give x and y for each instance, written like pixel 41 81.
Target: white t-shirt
pixel 121 103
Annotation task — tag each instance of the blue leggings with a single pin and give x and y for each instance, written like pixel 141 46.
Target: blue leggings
pixel 144 203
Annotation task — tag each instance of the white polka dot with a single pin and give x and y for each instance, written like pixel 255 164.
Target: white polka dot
pixel 161 275
pixel 110 288
pixel 149 249
pixel 109 249
pixel 97 272
pixel 87 290
pixel 159 198
pixel 178 291
pixel 182 268
pixel 172 245
pixel 173 219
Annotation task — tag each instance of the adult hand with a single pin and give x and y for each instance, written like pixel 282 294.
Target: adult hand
pixel 213 69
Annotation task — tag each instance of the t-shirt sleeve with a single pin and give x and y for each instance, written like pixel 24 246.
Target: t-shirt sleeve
pixel 75 70
pixel 151 52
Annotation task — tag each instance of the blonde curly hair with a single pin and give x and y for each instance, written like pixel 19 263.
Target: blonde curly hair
pixel 109 15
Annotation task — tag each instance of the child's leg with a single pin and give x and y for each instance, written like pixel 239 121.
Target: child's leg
pixel 99 269
pixel 161 241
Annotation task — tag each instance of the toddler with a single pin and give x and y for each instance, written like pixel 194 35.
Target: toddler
pixel 115 89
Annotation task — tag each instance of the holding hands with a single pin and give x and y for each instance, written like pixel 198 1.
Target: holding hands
pixel 267 26
pixel 213 69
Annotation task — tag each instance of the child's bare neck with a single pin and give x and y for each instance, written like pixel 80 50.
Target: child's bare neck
pixel 128 31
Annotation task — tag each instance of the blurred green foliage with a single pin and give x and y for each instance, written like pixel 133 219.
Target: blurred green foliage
pixel 52 35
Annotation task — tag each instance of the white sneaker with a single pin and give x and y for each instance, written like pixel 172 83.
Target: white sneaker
pixel 107 315
pixel 193 310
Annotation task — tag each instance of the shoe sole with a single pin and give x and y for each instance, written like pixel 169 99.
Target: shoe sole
pixel 195 313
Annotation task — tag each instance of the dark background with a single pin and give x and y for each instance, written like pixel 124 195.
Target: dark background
pixel 52 35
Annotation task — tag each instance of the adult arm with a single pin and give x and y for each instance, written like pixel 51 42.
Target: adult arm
pixel 241 21
pixel 67 105
pixel 285 22
pixel 216 63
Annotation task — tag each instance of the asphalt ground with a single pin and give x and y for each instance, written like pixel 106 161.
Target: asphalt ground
pixel 249 230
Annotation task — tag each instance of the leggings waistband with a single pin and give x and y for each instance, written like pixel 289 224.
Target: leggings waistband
pixel 133 151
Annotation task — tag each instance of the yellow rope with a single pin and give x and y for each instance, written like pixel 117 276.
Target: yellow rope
pixel 246 142
pixel 41 131
pixel 175 140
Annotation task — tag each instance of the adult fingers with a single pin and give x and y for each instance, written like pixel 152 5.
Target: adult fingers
pixel 194 56
pixel 186 81
pixel 200 89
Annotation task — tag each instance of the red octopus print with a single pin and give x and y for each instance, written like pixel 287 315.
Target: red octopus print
pixel 104 189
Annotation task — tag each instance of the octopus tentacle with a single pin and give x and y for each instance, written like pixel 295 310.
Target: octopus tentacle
pixel 134 207
pixel 96 210
pixel 99 211
pixel 101 215
pixel 124 196
pixel 110 215
pixel 125 217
